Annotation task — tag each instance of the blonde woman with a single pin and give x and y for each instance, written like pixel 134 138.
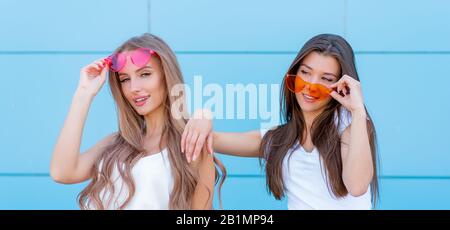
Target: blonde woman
pixel 140 166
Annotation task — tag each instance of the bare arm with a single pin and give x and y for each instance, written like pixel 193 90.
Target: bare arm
pixel 67 165
pixel 357 165
pixel 198 132
pixel 357 172
pixel 244 144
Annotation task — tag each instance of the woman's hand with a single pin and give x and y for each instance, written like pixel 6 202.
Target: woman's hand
pixel 197 132
pixel 92 77
pixel 349 94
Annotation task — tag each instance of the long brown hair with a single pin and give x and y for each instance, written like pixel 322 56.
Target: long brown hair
pixel 324 132
pixel 127 147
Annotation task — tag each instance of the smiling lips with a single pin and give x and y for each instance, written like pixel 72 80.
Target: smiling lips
pixel 140 101
pixel 309 98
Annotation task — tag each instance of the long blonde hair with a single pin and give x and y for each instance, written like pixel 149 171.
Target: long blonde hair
pixel 127 147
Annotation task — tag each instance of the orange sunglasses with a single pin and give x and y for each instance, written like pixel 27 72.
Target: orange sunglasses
pixel 296 84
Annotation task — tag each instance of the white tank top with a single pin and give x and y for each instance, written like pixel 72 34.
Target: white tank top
pixel 153 181
pixel 305 179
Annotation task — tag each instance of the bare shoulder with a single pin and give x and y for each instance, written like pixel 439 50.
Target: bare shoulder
pixel 102 144
pixel 109 139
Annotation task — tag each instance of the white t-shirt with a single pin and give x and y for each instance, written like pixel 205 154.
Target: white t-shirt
pixel 153 181
pixel 305 179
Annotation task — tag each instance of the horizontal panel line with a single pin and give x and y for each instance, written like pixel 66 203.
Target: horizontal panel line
pixel 403 52
pixel 240 176
pixel 416 177
pixel 25 174
pixel 295 52
pixel 41 52
pixel 381 177
pixel 231 52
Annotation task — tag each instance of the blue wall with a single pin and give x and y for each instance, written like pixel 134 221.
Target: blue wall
pixel 402 50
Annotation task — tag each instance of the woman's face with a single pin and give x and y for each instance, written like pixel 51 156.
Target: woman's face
pixel 143 87
pixel 321 69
